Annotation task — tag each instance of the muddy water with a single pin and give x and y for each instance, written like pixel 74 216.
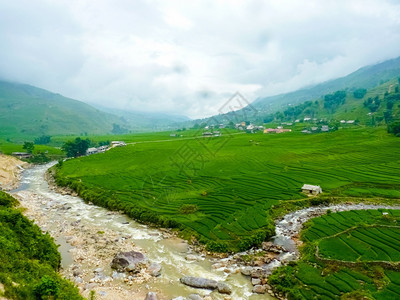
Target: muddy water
pixel 79 228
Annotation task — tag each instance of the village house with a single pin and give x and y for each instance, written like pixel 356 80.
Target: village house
pixel 118 144
pixel 325 128
pixel 92 150
pixel 311 189
pixel 250 127
pixel 217 133
pixel 21 155
pixel 207 133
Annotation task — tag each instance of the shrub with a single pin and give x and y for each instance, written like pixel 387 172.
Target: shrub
pixel 188 209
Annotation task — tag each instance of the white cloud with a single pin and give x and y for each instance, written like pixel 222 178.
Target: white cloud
pixel 188 56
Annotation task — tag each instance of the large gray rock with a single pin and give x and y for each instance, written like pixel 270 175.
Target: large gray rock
pixel 258 273
pixel 154 269
pixel 198 282
pixel 151 296
pixel 131 261
pixel 223 288
pixel 246 270
pixel 259 289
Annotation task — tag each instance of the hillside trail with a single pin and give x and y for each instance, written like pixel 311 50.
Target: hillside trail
pixel 179 139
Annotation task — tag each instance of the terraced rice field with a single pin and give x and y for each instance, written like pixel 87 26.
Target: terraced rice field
pixel 234 180
pixel 359 239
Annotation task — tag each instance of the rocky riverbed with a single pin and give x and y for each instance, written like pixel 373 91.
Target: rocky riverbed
pixel 110 254
pixel 91 237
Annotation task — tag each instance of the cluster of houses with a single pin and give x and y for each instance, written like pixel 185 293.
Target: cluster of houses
pixel 279 129
pixel 347 121
pixel 251 128
pixel 102 149
pixel 315 129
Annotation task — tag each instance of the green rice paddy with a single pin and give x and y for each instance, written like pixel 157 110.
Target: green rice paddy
pixel 235 180
pixel 358 257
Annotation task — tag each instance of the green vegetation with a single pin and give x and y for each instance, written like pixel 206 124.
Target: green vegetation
pixel 76 148
pixel 359 93
pixel 29 259
pixel 236 180
pixel 28 146
pixel 351 245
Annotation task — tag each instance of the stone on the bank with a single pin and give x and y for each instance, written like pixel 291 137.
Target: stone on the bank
pixel 198 282
pixel 258 273
pixel 131 261
pixel 151 296
pixel 154 269
pixel 255 281
pixel 246 271
pixel 223 288
pixel 259 289
pixel 195 297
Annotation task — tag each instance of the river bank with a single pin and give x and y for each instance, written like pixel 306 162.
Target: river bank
pixel 11 169
pixel 90 237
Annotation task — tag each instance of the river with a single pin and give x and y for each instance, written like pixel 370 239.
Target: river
pixel 90 236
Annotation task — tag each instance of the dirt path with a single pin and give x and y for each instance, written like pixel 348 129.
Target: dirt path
pixel 10 170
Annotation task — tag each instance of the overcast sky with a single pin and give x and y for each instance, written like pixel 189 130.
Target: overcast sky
pixel 189 57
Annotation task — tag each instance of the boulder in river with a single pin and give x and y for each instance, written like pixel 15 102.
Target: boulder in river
pixel 259 289
pixel 223 288
pixel 151 296
pixel 131 261
pixel 246 270
pixel 154 269
pixel 198 282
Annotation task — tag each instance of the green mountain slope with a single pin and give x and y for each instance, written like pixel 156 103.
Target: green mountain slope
pixel 27 111
pixel 366 77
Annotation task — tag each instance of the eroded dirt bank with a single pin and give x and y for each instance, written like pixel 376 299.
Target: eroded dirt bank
pixel 10 171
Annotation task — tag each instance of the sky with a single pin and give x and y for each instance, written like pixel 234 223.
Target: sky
pixel 190 57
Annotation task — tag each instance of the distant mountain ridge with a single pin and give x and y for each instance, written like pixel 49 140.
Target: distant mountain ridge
pixel 28 112
pixel 366 77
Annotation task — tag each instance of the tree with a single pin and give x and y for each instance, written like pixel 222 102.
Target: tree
pixel 359 93
pixel 332 101
pixel 76 148
pixel 42 140
pixel 28 146
pixel 118 129
pixel 394 128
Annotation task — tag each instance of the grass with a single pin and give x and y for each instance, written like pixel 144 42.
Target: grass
pixel 363 236
pixel 29 258
pixel 235 180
